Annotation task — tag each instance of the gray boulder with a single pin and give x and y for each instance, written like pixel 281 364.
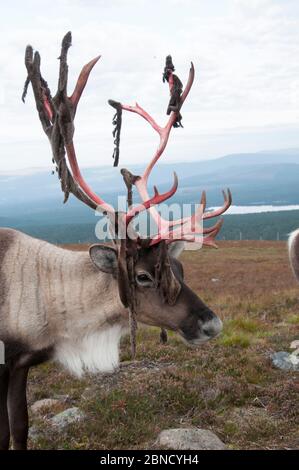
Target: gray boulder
pixel 285 361
pixel 189 439
pixel 67 417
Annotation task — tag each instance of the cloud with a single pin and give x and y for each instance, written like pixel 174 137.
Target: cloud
pixel 247 75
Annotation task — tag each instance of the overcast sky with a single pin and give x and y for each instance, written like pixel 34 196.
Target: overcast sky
pixel 246 92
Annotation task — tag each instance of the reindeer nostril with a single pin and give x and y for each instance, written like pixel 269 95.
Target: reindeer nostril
pixel 212 327
pixel 208 331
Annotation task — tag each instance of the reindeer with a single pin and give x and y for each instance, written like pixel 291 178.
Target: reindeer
pixel 293 248
pixel 73 307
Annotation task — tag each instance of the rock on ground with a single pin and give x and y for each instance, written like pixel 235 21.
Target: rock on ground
pixel 189 439
pixel 34 433
pixel 284 360
pixel 66 417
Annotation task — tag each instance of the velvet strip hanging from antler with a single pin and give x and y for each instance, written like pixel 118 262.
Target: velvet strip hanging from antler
pixel 117 122
pixel 176 90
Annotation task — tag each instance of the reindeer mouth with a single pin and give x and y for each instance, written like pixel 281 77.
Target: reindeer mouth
pixel 195 342
pixel 211 330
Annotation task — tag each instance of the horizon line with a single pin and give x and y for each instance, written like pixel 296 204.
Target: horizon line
pixel 36 169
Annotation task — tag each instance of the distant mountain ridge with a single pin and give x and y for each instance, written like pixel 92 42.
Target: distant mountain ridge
pixel 33 199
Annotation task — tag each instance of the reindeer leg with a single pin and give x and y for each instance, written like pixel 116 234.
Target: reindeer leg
pixel 17 407
pixel 4 423
pixel 163 336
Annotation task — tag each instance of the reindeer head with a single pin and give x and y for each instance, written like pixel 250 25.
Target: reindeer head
pixel 150 277
pixel 161 296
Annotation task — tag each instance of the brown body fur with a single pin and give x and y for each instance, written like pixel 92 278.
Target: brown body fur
pixel 46 292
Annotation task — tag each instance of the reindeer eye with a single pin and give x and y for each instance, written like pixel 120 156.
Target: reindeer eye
pixel 144 280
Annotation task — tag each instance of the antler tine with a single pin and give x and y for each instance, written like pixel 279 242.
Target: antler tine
pixel 200 211
pixel 190 228
pixel 227 202
pixel 164 136
pixel 82 80
pixel 189 233
pixel 214 227
pixel 156 199
pixel 204 236
pixel 210 239
pixel 39 86
pixel 63 67
pixel 163 132
pixel 207 237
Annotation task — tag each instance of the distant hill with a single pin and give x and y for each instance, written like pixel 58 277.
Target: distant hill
pixel 32 201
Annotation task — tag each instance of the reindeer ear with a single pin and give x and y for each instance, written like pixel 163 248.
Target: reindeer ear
pixel 104 258
pixel 175 249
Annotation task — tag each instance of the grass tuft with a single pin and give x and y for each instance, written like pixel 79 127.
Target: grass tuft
pixel 235 339
pixel 293 319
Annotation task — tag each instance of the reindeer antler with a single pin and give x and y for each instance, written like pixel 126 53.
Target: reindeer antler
pixel 57 116
pixel 189 228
